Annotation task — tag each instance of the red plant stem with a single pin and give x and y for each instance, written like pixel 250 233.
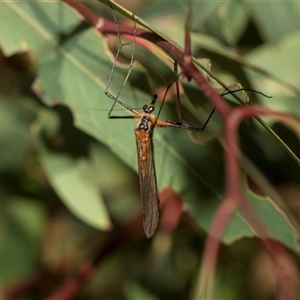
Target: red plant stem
pixel 232 161
pixel 235 198
pixel 211 249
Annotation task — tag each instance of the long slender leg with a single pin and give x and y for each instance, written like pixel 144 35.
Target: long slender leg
pixel 226 92
pixel 116 100
pixel 182 126
pixel 212 112
pixel 179 110
pixel 177 124
pixel 116 59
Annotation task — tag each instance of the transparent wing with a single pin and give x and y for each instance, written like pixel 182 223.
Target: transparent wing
pixel 148 185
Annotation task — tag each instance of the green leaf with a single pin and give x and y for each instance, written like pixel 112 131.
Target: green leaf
pixel 275 19
pixel 276 219
pixel 281 61
pixel 73 179
pixel 212 17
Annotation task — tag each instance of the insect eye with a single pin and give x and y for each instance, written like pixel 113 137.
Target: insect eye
pixel 148 108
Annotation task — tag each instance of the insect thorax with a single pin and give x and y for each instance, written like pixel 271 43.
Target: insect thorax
pixel 146 124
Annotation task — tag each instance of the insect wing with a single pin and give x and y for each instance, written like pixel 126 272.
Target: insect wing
pixel 148 185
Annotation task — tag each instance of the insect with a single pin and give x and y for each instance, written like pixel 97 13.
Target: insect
pixel 144 131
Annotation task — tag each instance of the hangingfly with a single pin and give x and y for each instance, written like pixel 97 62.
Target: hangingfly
pixel 144 140
pixel 144 134
pixel 144 131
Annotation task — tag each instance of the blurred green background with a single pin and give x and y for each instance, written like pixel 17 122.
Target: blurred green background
pixel 69 175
